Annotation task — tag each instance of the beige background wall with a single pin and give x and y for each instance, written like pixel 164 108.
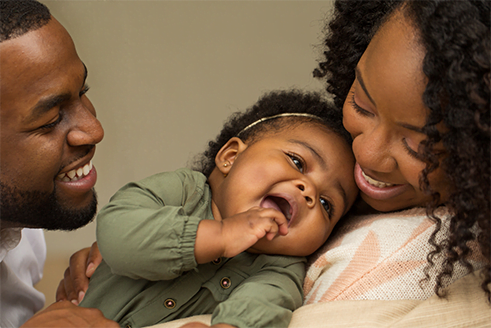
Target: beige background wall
pixel 164 75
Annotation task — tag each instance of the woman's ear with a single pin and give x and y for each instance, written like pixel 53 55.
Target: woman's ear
pixel 226 156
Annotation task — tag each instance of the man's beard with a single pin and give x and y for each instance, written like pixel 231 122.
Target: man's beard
pixel 36 209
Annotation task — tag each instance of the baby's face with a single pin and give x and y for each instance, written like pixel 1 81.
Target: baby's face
pixel 306 172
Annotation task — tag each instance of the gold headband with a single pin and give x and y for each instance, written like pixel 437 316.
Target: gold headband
pixel 277 116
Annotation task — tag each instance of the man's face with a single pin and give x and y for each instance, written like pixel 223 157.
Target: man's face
pixel 48 131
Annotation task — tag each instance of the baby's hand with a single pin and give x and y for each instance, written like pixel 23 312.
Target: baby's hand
pixel 243 230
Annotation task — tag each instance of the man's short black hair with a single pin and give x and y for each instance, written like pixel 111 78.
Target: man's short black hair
pixel 18 17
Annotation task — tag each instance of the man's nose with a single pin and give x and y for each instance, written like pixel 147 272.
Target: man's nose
pixel 86 128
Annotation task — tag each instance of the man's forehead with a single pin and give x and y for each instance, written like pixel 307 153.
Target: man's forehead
pixel 37 64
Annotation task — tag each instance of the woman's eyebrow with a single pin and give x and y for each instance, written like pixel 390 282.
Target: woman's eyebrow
pixel 362 84
pixel 411 127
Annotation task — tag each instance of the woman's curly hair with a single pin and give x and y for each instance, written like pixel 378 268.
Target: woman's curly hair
pixel 456 36
pixel 270 104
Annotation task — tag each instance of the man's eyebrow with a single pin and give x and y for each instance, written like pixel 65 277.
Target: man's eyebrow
pixel 46 104
pixel 86 72
pixel 362 84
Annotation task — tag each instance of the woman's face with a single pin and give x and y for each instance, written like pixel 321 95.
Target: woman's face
pixel 384 113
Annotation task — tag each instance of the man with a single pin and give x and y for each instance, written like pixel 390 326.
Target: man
pixel 48 133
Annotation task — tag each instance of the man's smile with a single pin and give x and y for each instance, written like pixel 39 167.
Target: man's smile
pixel 76 173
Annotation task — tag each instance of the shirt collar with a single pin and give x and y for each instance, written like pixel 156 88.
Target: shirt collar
pixel 9 239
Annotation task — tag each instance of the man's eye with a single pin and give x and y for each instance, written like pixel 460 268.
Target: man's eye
pixel 327 206
pixel 297 161
pixel 84 90
pixel 51 125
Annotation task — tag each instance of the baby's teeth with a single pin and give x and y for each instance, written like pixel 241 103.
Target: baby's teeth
pixel 80 171
pixel 71 174
pixel 60 176
pixel 66 179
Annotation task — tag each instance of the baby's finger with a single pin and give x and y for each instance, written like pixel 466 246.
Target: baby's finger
pixel 282 227
pixel 93 260
pixel 272 230
pixel 281 222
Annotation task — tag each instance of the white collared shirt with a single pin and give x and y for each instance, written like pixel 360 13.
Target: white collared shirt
pixel 22 256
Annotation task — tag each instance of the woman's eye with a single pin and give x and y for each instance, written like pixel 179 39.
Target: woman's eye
pixel 327 205
pixel 411 152
pixel 357 107
pixel 297 162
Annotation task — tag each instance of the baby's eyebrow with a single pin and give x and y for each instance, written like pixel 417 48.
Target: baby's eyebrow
pixel 314 152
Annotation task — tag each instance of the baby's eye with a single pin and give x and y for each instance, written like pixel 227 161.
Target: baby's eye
pixel 297 161
pixel 327 205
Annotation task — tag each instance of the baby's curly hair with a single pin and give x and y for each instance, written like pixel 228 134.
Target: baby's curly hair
pixel 270 104
pixel 18 17
pixel 456 36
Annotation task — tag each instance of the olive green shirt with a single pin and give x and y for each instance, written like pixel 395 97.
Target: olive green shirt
pixel 149 275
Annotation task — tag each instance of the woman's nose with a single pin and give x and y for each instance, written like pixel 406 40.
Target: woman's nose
pixel 86 128
pixel 373 150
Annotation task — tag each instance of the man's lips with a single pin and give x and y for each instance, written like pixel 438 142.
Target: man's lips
pixel 283 203
pixel 76 173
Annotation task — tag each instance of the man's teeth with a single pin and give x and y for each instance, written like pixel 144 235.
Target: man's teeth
pixel 75 174
pixel 376 183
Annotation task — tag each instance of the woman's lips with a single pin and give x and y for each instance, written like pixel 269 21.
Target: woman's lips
pixel 377 189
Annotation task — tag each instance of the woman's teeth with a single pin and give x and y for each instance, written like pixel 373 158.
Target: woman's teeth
pixel 75 174
pixel 376 183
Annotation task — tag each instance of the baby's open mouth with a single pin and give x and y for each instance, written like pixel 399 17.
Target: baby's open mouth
pixel 278 203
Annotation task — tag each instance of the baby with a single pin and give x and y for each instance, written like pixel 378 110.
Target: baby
pixel 229 238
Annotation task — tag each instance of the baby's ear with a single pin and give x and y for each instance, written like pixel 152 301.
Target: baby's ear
pixel 226 156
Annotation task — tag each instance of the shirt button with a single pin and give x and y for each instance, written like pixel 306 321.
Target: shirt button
pixel 217 261
pixel 225 283
pixel 170 303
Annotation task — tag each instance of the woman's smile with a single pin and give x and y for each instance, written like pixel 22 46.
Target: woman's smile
pixel 375 189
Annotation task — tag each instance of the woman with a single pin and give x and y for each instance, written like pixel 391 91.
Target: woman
pixel 412 79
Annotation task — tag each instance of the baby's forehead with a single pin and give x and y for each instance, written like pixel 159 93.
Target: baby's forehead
pixel 285 125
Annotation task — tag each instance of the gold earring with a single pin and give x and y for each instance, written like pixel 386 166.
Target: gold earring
pixel 225 165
